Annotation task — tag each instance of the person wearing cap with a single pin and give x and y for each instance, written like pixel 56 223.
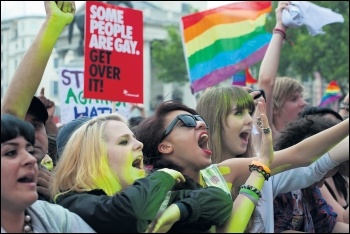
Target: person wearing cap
pixel 66 131
pixel 19 99
pixel 37 116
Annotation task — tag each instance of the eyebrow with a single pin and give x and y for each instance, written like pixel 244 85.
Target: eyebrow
pixel 15 144
pixel 36 120
pixel 128 135
pixel 9 143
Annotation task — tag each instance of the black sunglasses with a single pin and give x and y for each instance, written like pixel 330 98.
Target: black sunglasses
pixel 188 119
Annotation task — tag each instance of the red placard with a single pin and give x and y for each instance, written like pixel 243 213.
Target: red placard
pixel 113 68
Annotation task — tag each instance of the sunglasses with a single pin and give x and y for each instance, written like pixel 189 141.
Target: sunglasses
pixel 189 121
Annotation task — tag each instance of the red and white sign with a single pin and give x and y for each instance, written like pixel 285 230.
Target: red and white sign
pixel 113 68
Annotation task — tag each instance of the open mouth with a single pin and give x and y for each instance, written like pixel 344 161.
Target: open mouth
pixel 203 141
pixel 244 136
pixel 26 179
pixel 138 163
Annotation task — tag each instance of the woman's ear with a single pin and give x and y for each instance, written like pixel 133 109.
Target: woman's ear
pixel 165 147
pixel 276 112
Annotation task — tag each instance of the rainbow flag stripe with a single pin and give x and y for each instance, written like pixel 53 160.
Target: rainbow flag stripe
pixel 242 78
pixel 222 41
pixel 239 78
pixel 331 94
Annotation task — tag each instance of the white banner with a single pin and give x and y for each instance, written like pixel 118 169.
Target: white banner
pixel 74 105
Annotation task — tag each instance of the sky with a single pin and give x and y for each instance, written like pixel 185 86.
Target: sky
pixel 11 9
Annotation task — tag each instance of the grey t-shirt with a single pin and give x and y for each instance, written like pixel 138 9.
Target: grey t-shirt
pixel 51 218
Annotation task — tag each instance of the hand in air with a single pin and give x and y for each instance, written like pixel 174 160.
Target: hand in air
pixel 60 12
pixel 49 105
pixel 266 149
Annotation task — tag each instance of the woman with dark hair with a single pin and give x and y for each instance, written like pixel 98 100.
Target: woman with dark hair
pixel 21 211
pixel 305 209
pixel 321 111
pixel 336 188
pixel 177 137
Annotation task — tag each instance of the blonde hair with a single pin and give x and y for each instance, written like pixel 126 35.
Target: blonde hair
pixel 84 164
pixel 214 106
pixel 283 89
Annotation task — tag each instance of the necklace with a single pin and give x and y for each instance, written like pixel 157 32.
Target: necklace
pixel 27 228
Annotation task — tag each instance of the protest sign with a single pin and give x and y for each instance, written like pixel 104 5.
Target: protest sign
pixel 113 53
pixel 74 105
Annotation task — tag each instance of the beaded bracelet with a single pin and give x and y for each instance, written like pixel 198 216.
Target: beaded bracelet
pixel 250 194
pixel 259 169
pixel 251 188
pixel 266 168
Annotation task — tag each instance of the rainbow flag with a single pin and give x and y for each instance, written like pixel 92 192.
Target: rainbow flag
pixel 242 78
pixel 224 40
pixel 332 94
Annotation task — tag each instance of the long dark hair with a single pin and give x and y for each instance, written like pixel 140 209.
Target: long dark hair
pixel 150 132
pixel 12 127
pixel 303 128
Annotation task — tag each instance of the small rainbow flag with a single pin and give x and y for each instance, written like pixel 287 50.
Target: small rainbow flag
pixel 242 78
pixel 332 94
pixel 224 40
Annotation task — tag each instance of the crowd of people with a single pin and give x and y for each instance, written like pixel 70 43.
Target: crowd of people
pixel 235 163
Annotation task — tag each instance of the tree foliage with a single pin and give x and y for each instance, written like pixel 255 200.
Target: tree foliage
pixel 327 53
pixel 169 59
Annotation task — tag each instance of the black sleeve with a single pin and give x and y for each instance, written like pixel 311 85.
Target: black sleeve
pixel 205 206
pixel 128 211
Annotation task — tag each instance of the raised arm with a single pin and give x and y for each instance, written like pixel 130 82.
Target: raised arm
pixel 270 63
pixel 334 140
pixel 310 149
pixel 50 124
pixel 244 204
pixel 29 73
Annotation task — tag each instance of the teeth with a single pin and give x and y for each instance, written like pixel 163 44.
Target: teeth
pixel 203 139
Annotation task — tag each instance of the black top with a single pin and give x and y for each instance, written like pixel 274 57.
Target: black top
pixel 135 207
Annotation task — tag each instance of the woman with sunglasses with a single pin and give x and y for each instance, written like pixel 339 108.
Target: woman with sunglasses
pixel 228 111
pixel 176 137
pixel 184 147
pixel 100 176
pixel 21 211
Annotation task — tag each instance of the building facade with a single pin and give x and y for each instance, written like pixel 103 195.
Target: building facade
pixel 18 33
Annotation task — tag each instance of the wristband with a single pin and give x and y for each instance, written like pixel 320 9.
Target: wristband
pixel 257 163
pixel 252 190
pixel 249 195
pixel 283 34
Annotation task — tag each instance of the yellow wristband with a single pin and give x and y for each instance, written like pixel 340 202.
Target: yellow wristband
pixel 266 169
